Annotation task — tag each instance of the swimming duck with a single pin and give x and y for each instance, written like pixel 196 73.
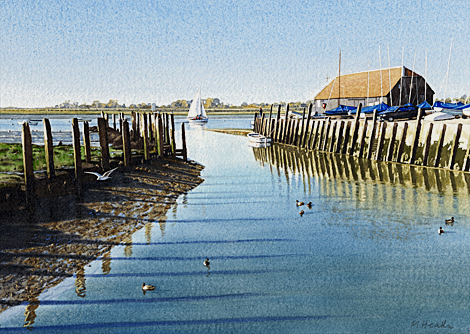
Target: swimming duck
pixel 449 221
pixel 301 213
pixel 206 262
pixel 299 203
pixel 440 231
pixel 309 205
pixel 147 287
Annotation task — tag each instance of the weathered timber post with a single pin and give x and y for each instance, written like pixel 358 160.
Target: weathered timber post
pixel 114 121
pixel 307 127
pixel 86 141
pixel 102 130
pixel 255 125
pixel 126 143
pixel 380 144
pixel 439 146
pixel 340 141
pixel 121 119
pixel 327 132
pixel 161 148
pixel 401 145
pixel 296 135
pixel 320 135
pixel 414 145
pixel 146 138
pixel 261 129
pixel 284 137
pixel 301 135
pixel 355 129
pixel 313 134
pixel 173 141
pixel 106 116
pixel 427 145
pixel 183 139
pixel 29 180
pixel 77 157
pixel 134 125
pixel 278 127
pixel 391 146
pixel 455 146
pixel 332 141
pixel 372 135
pixel 346 138
pixel 269 128
pixel 49 149
pixel 167 129
pixel 363 139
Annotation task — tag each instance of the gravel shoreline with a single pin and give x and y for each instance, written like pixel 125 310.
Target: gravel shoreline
pixel 39 251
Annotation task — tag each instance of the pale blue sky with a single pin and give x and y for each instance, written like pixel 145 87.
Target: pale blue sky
pixel 239 51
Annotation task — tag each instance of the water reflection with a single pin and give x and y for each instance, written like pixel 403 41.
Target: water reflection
pixel 30 313
pixel 80 287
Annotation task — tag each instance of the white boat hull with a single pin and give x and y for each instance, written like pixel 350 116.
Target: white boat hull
pixel 198 121
pixel 256 138
pixel 438 116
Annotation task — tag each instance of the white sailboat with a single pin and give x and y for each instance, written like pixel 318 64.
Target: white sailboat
pixel 197 113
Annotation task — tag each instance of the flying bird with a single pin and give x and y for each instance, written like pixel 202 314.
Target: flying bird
pixel 105 176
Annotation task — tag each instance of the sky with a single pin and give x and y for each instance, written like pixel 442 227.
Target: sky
pixel 160 51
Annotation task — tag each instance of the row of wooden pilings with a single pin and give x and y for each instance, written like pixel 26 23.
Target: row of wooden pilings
pixel 371 139
pixel 156 130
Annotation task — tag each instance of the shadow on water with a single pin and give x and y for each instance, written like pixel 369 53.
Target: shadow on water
pixel 39 250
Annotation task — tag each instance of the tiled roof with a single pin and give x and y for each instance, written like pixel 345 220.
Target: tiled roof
pixel 355 85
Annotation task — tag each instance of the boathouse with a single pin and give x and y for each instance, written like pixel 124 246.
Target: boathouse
pixel 393 86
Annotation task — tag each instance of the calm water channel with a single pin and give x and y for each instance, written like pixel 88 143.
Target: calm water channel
pixel 366 258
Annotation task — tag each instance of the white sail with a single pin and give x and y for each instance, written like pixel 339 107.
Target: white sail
pixel 196 110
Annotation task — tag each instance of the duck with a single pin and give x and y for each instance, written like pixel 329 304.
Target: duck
pixel 299 203
pixel 301 213
pixel 450 221
pixel 206 262
pixel 309 205
pixel 440 231
pixel 147 287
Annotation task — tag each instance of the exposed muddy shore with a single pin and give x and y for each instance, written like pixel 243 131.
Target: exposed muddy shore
pixel 38 251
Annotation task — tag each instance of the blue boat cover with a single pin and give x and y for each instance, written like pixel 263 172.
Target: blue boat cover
pixel 340 110
pixel 370 109
pixel 425 105
pixel 405 107
pixel 439 104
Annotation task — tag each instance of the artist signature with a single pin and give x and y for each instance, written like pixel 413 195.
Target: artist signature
pixel 427 324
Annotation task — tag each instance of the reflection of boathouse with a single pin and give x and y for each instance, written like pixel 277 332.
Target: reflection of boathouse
pixel 389 85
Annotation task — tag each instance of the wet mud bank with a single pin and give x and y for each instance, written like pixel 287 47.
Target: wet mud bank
pixel 39 250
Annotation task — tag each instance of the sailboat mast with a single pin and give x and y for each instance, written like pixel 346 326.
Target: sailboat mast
pixel 381 86
pixel 447 74
pixel 411 84
pixel 389 77
pixel 403 70
pixel 339 79
pixel 425 73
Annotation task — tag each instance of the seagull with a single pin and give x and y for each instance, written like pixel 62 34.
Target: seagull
pixel 299 203
pixel 450 221
pixel 147 287
pixel 440 231
pixel 206 262
pixel 105 176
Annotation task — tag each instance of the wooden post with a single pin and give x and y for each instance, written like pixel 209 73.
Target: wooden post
pixel 261 128
pixel 286 124
pixel 296 135
pixel 301 135
pixel 372 135
pixel 455 146
pixel 391 146
pixel 146 138
pixel 332 141
pixel 414 144
pixel 134 125
pixel 114 121
pixel 173 142
pixel 340 141
pixel 126 143
pixel 102 130
pixel 401 146
pixel 86 141
pixel 167 129
pixel 183 139
pixel 380 144
pixel 77 157
pixel 466 160
pixel 255 125
pixel 314 134
pixel 363 139
pixel 355 129
pixel 161 137
pixel 121 119
pixel 49 149
pixel 29 180
pixel 346 138
pixel 270 130
pixel 439 147
pixel 427 145
pixel 307 127
pixel 320 135
pixel 325 138
pixel 277 128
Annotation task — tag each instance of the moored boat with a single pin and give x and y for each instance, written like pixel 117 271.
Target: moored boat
pixel 257 138
pixel 197 113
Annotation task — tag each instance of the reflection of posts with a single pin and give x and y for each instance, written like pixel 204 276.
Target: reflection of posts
pixel 30 313
pixel 80 283
pixel 106 264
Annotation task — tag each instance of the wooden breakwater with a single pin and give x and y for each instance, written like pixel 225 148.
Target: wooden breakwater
pixel 153 134
pixel 414 142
